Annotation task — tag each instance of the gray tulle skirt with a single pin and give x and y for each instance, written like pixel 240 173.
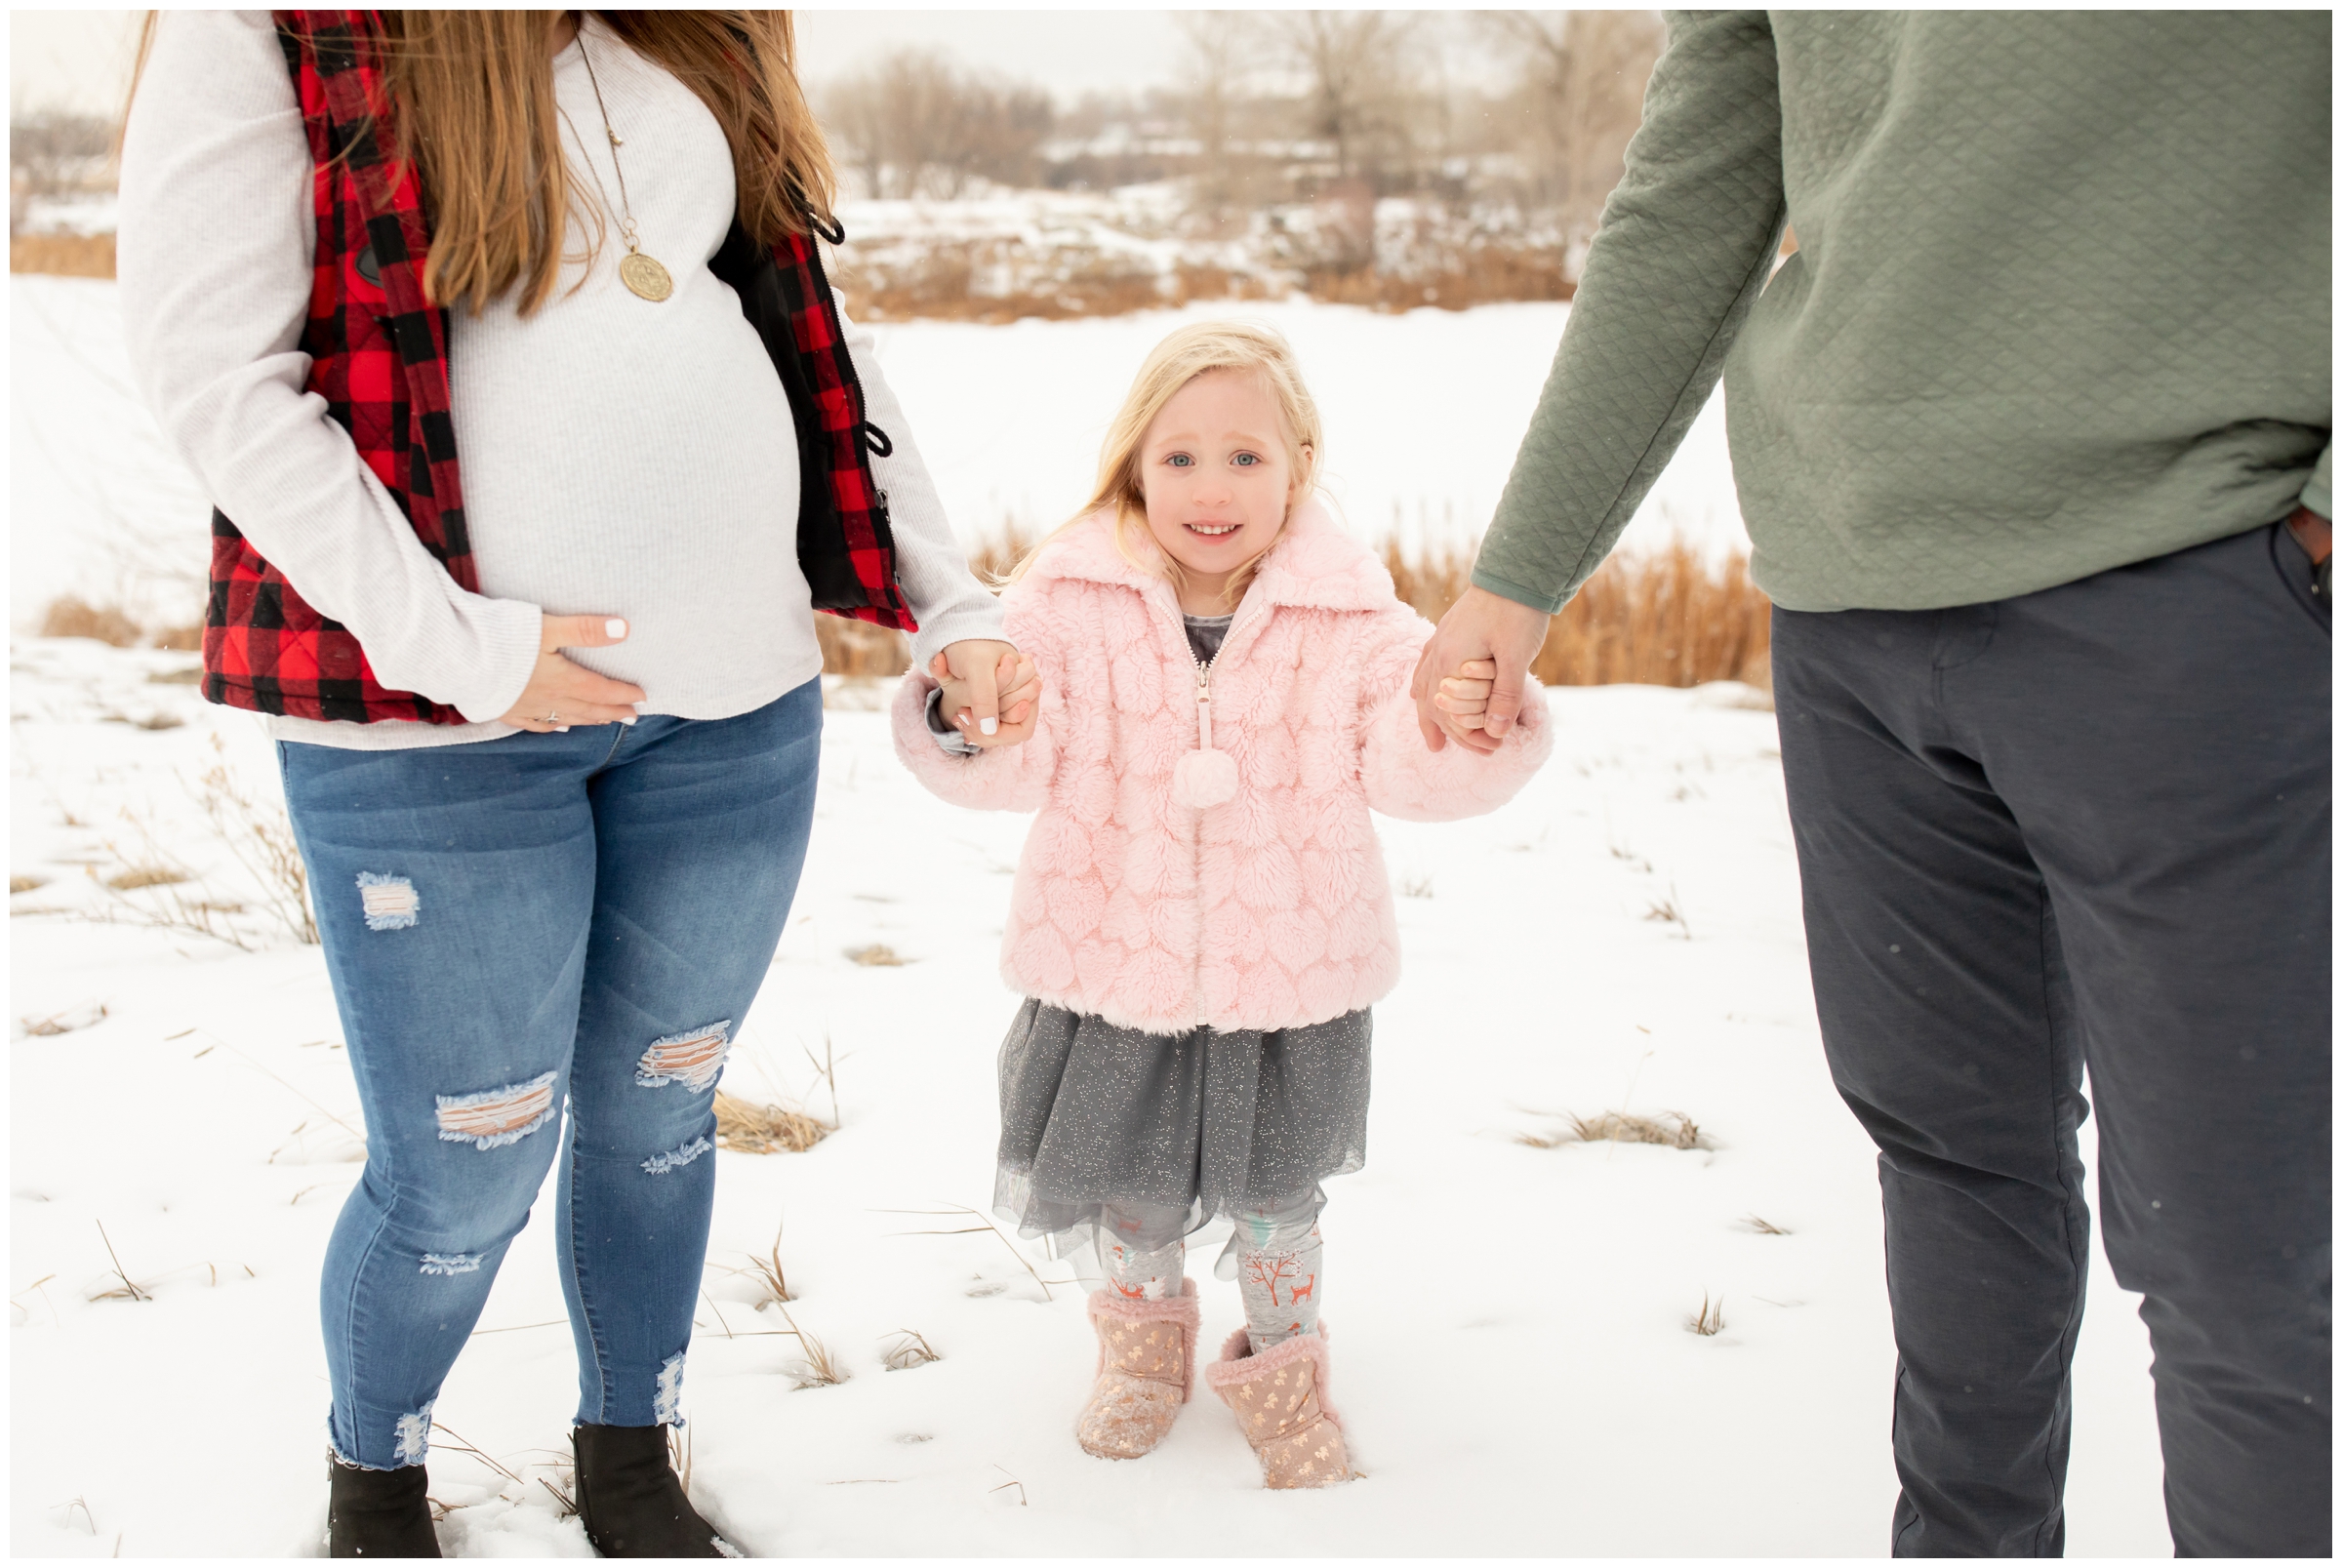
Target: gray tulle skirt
pixel 1184 1128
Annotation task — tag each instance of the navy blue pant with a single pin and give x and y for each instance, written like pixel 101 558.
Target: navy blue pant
pixel 516 924
pixel 2086 826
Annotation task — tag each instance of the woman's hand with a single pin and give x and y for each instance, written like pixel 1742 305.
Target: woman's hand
pixel 976 673
pixel 559 693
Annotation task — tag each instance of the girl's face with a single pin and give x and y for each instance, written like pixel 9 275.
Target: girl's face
pixel 1218 479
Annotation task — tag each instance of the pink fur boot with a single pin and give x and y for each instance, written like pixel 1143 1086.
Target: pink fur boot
pixel 1146 1371
pixel 1280 1397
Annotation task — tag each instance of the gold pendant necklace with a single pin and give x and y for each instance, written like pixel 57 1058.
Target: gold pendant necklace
pixel 640 272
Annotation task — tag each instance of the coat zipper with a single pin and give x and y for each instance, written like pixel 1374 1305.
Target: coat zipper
pixel 1204 732
pixel 1203 700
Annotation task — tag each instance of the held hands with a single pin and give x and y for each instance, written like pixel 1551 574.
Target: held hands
pixel 1463 697
pixel 559 693
pixel 1483 649
pixel 991 692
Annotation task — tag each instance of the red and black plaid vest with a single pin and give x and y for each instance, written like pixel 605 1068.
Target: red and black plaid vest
pixel 378 353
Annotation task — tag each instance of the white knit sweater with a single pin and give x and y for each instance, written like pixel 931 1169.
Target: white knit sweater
pixel 619 457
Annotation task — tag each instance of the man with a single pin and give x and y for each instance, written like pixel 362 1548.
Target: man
pixel 2032 439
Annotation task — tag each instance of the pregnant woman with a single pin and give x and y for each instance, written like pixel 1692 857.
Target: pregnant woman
pixel 502 344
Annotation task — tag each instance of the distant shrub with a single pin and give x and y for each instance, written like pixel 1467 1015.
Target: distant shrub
pixel 70 617
pixel 72 256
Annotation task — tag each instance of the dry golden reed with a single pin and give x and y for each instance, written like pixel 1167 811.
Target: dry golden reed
pixel 859 648
pixel 66 255
pixel 1665 618
pixel 69 617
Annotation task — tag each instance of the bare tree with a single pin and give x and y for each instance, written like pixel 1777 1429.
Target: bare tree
pixel 1582 78
pixel 1360 84
pixel 51 154
pixel 1219 106
pixel 913 125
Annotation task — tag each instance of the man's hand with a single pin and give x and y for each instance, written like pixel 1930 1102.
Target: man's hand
pixel 992 692
pixel 2315 533
pixel 1479 626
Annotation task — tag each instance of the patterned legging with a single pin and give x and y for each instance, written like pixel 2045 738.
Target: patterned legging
pixel 1276 1258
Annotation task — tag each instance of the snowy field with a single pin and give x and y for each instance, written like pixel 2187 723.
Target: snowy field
pixel 1509 1311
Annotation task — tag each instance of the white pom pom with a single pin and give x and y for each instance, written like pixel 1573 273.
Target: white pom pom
pixel 1204 779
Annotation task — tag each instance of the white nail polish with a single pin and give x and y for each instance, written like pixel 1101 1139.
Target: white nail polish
pixel 627 719
pixel 561 729
pixel 989 726
pixel 614 627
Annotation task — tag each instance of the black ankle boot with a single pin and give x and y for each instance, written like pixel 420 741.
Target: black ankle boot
pixel 378 1514
pixel 632 1501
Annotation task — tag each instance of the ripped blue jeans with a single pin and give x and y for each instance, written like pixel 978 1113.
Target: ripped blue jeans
pixel 513 926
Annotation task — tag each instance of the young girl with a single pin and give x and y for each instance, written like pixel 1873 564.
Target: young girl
pixel 1201 919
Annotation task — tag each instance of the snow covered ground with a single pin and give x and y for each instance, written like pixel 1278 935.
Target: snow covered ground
pixel 1508 1318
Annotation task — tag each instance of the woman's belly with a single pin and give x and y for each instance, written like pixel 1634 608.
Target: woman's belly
pixel 624 458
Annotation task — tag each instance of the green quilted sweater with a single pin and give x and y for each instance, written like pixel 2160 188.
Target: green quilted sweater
pixel 2061 300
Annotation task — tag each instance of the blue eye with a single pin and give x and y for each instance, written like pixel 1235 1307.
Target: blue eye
pixel 1248 460
pixel 1179 459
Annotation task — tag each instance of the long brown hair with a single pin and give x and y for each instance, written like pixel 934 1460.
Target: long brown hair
pixel 472 101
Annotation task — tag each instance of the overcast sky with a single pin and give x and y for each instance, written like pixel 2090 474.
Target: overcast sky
pixel 80 59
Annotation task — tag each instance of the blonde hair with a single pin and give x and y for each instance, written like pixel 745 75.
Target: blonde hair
pixel 473 101
pixel 1240 346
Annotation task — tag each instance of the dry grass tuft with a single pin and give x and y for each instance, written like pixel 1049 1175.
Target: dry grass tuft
pixel 820 1368
pixel 909 1350
pixel 1670 911
pixel 65 1022
pixel 1669 1129
pixel 130 1289
pixel 25 884
pixel 1763 1227
pixel 768 1273
pixel 877 956
pixel 260 835
pixel 981 1226
pixel 1709 1320
pixel 146 876
pixel 1661 619
pixel 747 1128
pixel 254 830
pixel 69 256
pixel 70 617
pixel 859 648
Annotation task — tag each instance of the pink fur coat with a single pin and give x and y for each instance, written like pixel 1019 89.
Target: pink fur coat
pixel 1167 885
